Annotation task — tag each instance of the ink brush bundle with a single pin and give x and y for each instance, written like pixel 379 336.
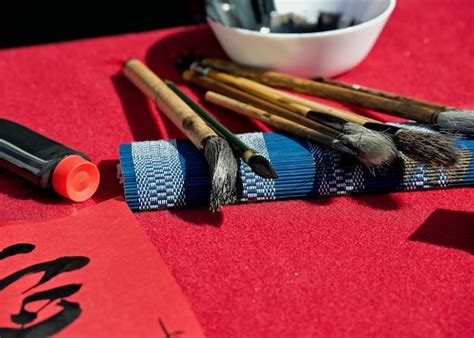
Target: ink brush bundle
pixel 446 117
pixel 325 151
pixel 320 150
pixel 373 149
pixel 421 144
pixel 315 157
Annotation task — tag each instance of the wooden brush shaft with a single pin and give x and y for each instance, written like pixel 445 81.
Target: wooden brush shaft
pixel 272 120
pixel 168 102
pixel 326 91
pixel 257 89
pixel 239 95
pixel 387 95
pixel 286 101
pixel 323 108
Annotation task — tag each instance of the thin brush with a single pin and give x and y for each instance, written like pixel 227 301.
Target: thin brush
pixel 217 152
pixel 373 149
pixel 259 164
pixel 450 118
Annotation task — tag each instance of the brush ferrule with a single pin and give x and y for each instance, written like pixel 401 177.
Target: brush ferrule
pixel 435 115
pixel 382 127
pixel 328 120
pixel 248 154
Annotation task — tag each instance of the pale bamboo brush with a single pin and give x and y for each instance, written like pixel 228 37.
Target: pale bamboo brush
pixel 373 148
pixel 211 84
pixel 235 93
pixel 258 163
pixel 417 143
pixel 219 156
pixel 446 117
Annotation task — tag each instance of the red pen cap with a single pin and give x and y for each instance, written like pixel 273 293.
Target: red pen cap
pixel 76 178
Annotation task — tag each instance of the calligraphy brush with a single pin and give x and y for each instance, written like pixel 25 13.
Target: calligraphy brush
pixel 446 117
pixel 219 156
pixel 373 148
pixel 420 144
pixel 451 118
pixel 259 164
pixel 281 123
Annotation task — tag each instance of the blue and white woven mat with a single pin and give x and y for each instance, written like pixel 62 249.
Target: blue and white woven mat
pixel 172 173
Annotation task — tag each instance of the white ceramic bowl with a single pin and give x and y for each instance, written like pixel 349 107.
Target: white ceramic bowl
pixel 309 54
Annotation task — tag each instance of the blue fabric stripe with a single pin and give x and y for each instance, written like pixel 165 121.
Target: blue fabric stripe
pixel 196 174
pixel 129 176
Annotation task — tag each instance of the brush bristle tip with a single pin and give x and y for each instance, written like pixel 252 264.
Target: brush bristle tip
pixel 262 167
pixel 457 120
pixel 223 170
pixel 427 147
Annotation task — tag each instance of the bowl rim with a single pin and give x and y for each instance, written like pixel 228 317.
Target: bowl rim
pixel 382 16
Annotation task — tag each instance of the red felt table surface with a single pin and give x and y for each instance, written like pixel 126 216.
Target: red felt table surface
pixel 387 264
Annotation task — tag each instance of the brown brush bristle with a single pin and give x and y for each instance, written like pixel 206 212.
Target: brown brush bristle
pixel 427 147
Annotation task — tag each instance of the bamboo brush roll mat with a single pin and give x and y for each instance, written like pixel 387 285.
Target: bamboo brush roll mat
pixel 173 174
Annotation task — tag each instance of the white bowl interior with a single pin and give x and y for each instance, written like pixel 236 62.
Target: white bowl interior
pixel 360 10
pixel 310 54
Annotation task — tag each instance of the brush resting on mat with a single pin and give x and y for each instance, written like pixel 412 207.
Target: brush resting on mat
pixel 217 152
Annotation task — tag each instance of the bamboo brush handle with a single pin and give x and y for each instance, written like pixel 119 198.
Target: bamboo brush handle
pixel 257 89
pixel 168 102
pixel 323 108
pixel 232 92
pixel 273 120
pixel 291 109
pixel 339 94
pixel 387 95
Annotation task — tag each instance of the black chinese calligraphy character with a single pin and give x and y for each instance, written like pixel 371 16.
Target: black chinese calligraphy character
pixel 50 270
pixel 16 249
pixel 69 312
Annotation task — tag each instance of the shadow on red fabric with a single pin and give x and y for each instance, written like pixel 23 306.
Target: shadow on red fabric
pixel 447 228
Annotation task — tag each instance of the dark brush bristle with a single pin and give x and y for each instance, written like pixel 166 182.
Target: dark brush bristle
pixel 223 170
pixel 262 167
pixel 427 147
pixel 373 148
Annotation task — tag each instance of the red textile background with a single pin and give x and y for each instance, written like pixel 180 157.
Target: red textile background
pixel 389 264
